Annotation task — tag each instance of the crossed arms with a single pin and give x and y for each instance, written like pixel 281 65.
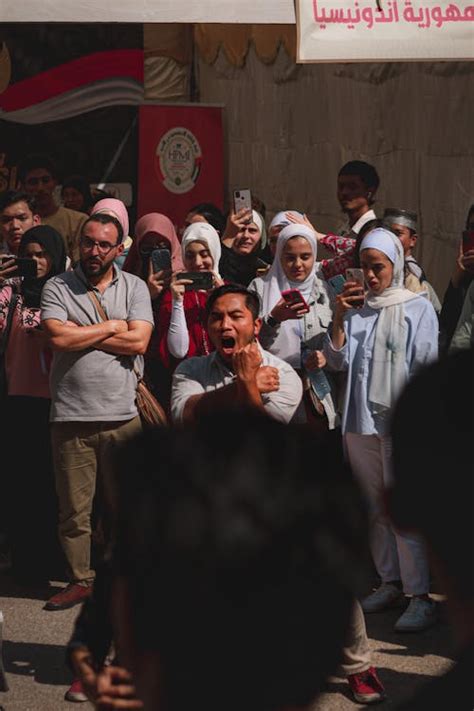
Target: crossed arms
pixel 113 336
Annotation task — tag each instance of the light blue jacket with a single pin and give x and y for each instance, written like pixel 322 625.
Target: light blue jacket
pixel 355 357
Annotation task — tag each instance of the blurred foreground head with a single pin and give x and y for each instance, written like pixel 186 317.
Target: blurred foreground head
pixel 239 541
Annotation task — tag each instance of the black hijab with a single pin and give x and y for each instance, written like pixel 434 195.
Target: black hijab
pixel 53 244
pixel 240 268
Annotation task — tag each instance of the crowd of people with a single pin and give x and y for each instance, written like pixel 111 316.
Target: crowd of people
pixel 264 356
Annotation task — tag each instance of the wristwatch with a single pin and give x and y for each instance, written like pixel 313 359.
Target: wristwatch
pixel 272 322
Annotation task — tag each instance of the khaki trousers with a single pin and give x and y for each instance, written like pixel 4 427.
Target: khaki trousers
pixel 83 455
pixel 356 654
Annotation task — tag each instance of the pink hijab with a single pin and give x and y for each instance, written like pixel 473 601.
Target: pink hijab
pixel 116 208
pixel 153 222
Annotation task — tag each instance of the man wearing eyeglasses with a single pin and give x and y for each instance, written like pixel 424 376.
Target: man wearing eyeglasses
pixel 38 178
pixel 93 384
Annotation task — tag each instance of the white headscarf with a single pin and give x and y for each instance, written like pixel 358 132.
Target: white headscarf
pixel 281 219
pixel 276 280
pixel 257 220
pixel 389 374
pixel 206 234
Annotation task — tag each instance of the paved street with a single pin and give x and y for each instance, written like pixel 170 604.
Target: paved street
pixel 38 678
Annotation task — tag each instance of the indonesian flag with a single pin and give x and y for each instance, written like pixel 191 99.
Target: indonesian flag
pixel 91 82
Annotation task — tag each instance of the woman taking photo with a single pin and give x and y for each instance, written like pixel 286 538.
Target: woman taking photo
pixel 241 261
pixel 28 490
pixel 181 330
pixel 155 231
pixel 152 231
pixel 381 342
pixel 293 332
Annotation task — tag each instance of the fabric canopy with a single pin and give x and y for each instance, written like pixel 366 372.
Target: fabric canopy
pixel 261 11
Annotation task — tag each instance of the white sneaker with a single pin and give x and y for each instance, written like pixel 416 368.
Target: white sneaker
pixel 419 615
pixel 387 595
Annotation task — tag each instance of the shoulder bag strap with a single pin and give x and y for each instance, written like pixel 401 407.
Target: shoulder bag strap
pixel 93 297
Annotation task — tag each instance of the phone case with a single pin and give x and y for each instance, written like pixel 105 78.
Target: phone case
pixel 26 268
pixel 161 260
pixel 201 280
pixel 337 282
pixel 293 296
pixel 242 200
pixel 354 274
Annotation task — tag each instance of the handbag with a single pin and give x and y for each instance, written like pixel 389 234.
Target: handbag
pixel 4 344
pixel 151 412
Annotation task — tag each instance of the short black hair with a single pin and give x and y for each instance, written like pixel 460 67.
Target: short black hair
pixel 11 197
pixel 35 161
pixel 240 562
pixel 212 214
pixel 104 219
pixel 433 490
pixel 365 171
pixel 252 300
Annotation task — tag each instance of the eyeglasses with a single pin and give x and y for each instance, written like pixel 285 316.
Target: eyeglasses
pixel 103 247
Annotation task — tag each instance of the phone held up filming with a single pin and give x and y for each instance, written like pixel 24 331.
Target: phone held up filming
pixel 242 200
pixel 161 260
pixel 294 296
pixel 199 280
pixel 357 275
pixel 24 267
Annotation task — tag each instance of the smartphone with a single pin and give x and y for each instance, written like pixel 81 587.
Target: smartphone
pixel 467 241
pixel 242 200
pixel 200 280
pixel 24 267
pixel 354 274
pixel 161 260
pixel 294 296
pixel 357 275
pixel 337 282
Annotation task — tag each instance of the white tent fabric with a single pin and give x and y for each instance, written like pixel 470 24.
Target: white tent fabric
pixel 265 11
pixel 291 127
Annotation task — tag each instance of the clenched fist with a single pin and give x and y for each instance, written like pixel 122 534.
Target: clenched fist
pixel 246 362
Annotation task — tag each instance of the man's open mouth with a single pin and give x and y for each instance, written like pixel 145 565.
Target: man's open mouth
pixel 228 343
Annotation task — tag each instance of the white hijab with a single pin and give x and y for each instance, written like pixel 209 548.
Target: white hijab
pixel 389 374
pixel 276 280
pixel 206 234
pixel 281 220
pixel 257 220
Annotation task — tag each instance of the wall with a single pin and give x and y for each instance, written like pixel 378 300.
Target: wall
pixel 290 128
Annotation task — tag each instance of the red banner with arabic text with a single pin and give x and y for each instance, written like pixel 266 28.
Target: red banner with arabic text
pixel 180 159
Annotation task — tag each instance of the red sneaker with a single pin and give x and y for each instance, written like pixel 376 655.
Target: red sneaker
pixel 72 595
pixel 75 692
pixel 366 687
